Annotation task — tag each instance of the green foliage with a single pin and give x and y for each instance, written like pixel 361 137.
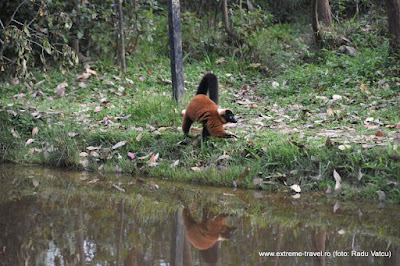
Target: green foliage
pixel 37 34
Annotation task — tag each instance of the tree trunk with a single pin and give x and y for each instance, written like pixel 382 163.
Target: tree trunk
pixel 121 37
pixel 228 29
pixel 324 12
pixel 393 10
pixel 314 21
pixel 320 14
pixel 76 41
pixel 175 46
pixel 226 17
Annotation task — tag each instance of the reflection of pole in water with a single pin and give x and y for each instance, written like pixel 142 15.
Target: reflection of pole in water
pixel 121 230
pixel 79 236
pixel 318 238
pixel 180 253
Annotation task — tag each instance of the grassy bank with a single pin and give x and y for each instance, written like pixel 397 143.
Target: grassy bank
pixel 303 117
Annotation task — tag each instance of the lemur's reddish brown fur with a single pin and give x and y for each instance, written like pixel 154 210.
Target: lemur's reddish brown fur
pixel 204 235
pixel 206 111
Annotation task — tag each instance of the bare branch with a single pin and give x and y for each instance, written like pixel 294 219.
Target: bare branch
pixel 33 30
pixel 38 44
pixel 16 10
pixel 2 25
pixel 34 18
pixel 8 59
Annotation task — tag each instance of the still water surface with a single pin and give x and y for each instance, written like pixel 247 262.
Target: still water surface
pixel 53 217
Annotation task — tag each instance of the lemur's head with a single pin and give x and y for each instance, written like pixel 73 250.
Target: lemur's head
pixel 227 116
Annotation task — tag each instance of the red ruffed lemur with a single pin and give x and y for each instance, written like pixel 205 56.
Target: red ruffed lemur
pixel 205 110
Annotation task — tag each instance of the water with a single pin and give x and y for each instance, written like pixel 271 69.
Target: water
pixel 54 217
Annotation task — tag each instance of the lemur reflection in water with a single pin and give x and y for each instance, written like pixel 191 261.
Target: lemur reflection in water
pixel 206 235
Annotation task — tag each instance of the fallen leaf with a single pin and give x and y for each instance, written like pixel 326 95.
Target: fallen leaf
pixel 229 194
pixel 35 131
pixel 118 145
pixel 296 196
pixel 296 188
pixel 338 180
pixel 336 207
pixel 255 65
pixel 153 185
pixel 341 232
pixel 257 181
pixel 153 158
pixel 131 156
pixel 97 109
pixel 35 183
pixel 72 134
pixel 167 81
pixel 29 141
pixel 344 147
pixel 220 60
pixel 363 86
pixel 93 181
pixel 351 50
pixel 83 76
pixel 15 134
pixel 360 174
pixel 94 154
pixel 321 98
pixel 223 157
pixel 83 154
pixel 118 187
pixel 82 85
pixel 130 81
pixel 371 126
pixel 336 97
pixel 91 72
pixel 84 162
pixel 174 164
pixel 62 85
pixel 195 168
pixel 379 134
pixel 125 117
pixel 18 96
pixel 92 148
pixel 139 137
pixel 60 92
pixel 368 120
pixel 145 157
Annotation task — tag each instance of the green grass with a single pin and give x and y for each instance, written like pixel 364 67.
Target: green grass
pixel 282 133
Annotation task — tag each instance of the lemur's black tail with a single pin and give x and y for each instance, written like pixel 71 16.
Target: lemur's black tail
pixel 209 83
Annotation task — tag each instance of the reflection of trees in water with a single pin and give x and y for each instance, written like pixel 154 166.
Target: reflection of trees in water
pixel 73 234
pixel 77 232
